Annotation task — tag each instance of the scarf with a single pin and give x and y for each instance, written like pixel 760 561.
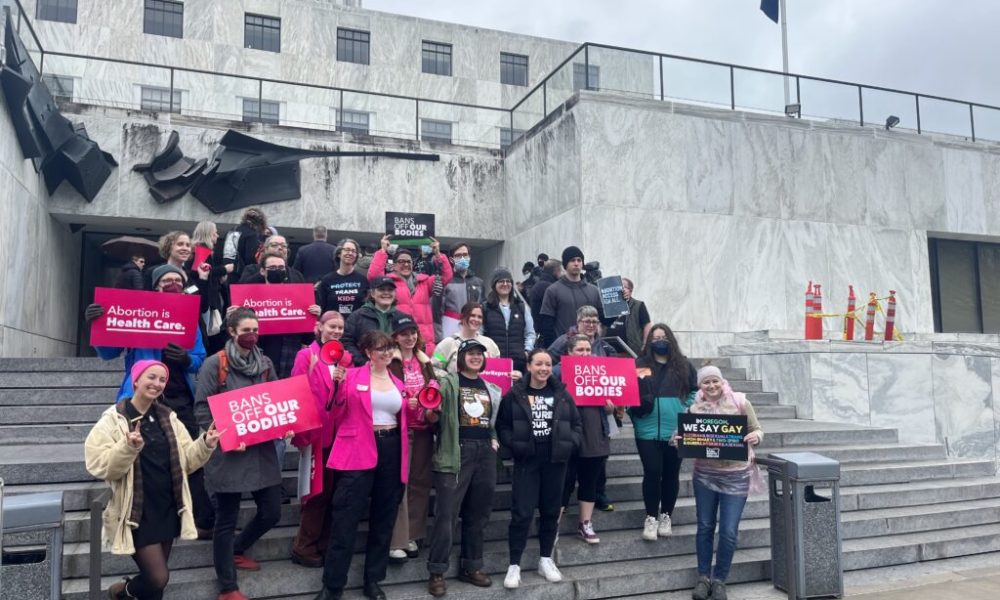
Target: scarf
pixel 251 365
pixel 176 473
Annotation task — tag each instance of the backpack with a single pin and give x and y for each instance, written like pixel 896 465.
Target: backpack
pixel 223 371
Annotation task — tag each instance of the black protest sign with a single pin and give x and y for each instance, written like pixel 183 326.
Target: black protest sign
pixel 613 296
pixel 712 436
pixel 409 229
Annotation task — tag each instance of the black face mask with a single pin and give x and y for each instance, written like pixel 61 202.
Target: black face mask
pixel 276 276
pixel 661 347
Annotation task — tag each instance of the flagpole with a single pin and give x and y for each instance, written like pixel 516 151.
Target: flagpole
pixel 784 49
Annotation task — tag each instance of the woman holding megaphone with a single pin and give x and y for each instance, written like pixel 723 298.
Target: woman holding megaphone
pixel 325 367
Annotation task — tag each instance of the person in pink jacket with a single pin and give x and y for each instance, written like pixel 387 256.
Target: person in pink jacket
pixel 370 458
pixel 314 526
pixel 413 290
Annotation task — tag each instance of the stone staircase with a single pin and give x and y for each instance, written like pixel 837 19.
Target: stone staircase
pixel 900 503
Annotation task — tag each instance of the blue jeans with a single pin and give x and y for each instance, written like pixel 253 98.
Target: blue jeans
pixel 729 508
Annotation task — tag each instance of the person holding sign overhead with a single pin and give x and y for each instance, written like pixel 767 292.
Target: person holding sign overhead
pixel 540 425
pixel 252 469
pixel 145 454
pixel 721 486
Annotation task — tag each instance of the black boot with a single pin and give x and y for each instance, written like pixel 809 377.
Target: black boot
pixel 328 594
pixel 373 591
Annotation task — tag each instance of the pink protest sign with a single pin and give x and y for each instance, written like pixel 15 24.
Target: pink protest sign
pixel 497 372
pixel 592 380
pixel 280 308
pixel 264 412
pixel 134 319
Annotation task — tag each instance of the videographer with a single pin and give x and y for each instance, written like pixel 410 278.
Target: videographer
pixel 564 297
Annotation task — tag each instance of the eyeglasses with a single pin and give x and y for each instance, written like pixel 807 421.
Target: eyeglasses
pixel 404 262
pixel 384 349
pixel 590 321
pixel 348 251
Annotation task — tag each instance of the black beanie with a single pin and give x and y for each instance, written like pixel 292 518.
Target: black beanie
pixel 570 253
pixel 501 273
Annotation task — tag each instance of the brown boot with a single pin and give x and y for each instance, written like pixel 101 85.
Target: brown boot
pixel 476 578
pixel 436 586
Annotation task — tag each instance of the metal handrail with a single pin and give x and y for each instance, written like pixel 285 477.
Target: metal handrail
pixel 95 559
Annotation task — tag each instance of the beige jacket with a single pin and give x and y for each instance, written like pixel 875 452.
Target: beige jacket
pixel 109 457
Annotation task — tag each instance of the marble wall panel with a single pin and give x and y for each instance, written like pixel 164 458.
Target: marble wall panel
pixel 789 375
pixel 963 179
pixel 963 404
pixel 840 388
pixel 901 389
pixel 995 372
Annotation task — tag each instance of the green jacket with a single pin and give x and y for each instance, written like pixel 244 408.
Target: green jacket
pixel 447 456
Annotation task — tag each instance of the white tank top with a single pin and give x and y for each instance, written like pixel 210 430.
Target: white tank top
pixel 385 405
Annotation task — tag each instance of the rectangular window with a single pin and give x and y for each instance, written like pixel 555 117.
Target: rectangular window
pixel 60 86
pixel 965 286
pixel 157 99
pixel 164 17
pixel 580 80
pixel 354 121
pixel 266 111
pixel 508 135
pixel 262 33
pixel 353 46
pixel 513 69
pixel 438 131
pixel 436 58
pixel 63 11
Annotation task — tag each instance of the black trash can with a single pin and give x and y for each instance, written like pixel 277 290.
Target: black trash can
pixel 32 549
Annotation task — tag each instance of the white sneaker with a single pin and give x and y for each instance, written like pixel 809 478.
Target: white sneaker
pixel 665 529
pixel 513 578
pixel 398 555
pixel 547 568
pixel 649 529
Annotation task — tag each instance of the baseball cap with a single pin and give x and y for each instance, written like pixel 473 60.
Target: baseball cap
pixel 383 281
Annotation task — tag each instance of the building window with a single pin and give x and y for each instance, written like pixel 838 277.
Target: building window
pixel 965 286
pixel 580 80
pixel 63 11
pixel 266 111
pixel 262 33
pixel 438 131
pixel 354 121
pixel 60 86
pixel 508 135
pixel 353 46
pixel 157 99
pixel 164 17
pixel 513 69
pixel 436 58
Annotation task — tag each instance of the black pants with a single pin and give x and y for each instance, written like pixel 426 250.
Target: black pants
pixel 268 513
pixel 378 490
pixel 587 471
pixel 204 512
pixel 537 483
pixel 661 467
pixel 468 494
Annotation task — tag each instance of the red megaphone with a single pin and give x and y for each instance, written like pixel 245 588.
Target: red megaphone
pixel 331 352
pixel 429 398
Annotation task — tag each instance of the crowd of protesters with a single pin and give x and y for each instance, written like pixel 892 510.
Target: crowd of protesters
pixel 410 321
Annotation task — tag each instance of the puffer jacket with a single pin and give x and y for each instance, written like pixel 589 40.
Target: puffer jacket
pixel 417 304
pixel 109 457
pixel 514 423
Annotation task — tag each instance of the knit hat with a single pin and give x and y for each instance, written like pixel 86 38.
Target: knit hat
pixel 141 366
pixel 709 371
pixel 165 268
pixel 570 253
pixel 500 273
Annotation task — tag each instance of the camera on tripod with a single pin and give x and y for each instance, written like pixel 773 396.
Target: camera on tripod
pixel 592 272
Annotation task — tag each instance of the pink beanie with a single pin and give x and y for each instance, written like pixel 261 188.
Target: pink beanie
pixel 140 367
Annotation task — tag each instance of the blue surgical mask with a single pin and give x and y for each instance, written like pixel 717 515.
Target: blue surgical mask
pixel 661 347
pixel 462 264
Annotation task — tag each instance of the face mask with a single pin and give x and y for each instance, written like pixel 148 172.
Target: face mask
pixel 247 340
pixel 462 264
pixel 276 276
pixel 173 288
pixel 661 347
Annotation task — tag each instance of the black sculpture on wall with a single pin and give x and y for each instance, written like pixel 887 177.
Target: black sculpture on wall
pixel 59 149
pixel 243 171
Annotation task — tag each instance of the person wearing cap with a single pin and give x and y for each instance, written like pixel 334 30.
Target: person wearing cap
pixel 145 454
pixel 314 522
pixel 721 486
pixel 465 467
pixel 413 290
pixel 343 290
pixel 564 297
pixel 378 313
pixel 464 287
pixel 370 458
pixel 507 319
pixel 411 365
pixel 446 352
pixel 539 424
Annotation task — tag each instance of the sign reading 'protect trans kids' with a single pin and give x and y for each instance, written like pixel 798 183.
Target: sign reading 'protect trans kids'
pixel 134 319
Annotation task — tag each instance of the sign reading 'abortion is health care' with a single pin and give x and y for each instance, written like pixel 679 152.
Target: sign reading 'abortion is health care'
pixel 264 412
pixel 712 436
pixel 593 380
pixel 280 308
pixel 134 319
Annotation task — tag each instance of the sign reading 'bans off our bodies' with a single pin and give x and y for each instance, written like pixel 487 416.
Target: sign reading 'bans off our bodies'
pixel 134 319
pixel 409 229
pixel 593 380
pixel 280 308
pixel 264 412
pixel 712 436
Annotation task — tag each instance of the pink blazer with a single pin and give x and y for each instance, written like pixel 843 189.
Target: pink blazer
pixel 354 444
pixel 321 385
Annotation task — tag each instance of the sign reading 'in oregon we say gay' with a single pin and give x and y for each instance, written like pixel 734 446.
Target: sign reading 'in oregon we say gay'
pixel 280 308
pixel 134 319
pixel 712 436
pixel 264 412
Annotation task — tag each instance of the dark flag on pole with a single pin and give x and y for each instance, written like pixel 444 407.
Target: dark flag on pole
pixel 770 8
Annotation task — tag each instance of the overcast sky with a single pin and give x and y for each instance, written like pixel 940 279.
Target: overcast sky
pixel 948 48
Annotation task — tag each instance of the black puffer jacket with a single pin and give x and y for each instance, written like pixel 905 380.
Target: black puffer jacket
pixel 514 423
